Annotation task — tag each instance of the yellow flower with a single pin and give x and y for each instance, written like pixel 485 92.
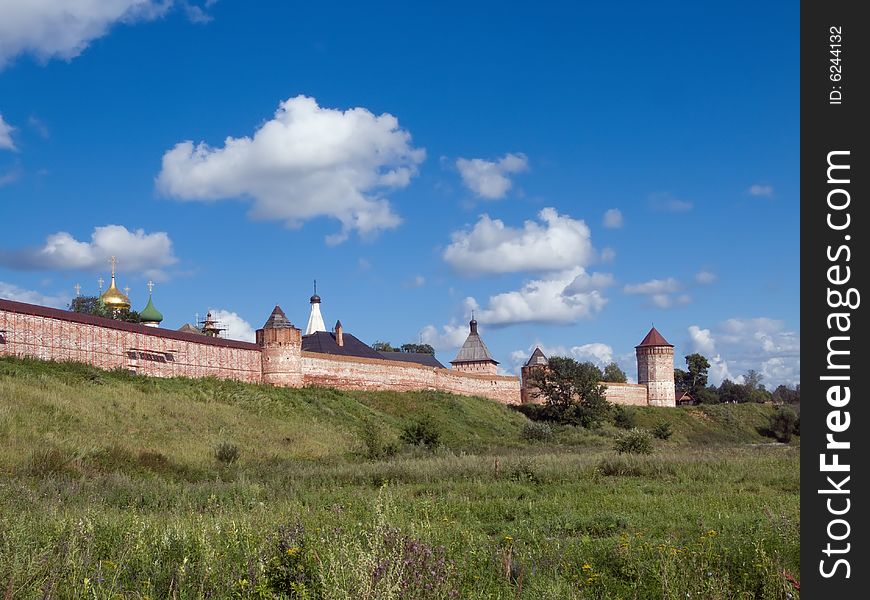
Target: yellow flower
pixel 711 533
pixel 587 566
pixel 292 551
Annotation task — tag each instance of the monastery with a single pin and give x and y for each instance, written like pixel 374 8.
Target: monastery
pixel 283 355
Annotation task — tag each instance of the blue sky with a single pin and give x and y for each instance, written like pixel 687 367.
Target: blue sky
pixel 572 173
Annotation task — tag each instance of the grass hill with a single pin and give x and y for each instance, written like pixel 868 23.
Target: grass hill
pixel 110 487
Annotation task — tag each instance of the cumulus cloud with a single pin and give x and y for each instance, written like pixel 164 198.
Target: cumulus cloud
pixel 557 242
pixel 737 345
pixel 665 202
pixel 705 277
pixel 49 29
pixel 305 162
pixel 236 327
pixel 597 353
pixel 6 130
pixel 608 255
pixel 659 292
pixel 613 218
pixel 449 337
pixel 588 282
pixel 136 252
pixel 489 179
pixel 10 291
pixel 761 190
pixel 546 300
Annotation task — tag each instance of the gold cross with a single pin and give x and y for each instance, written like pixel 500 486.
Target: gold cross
pixel 100 282
pixel 150 286
pixel 78 289
pixel 113 261
pixel 126 290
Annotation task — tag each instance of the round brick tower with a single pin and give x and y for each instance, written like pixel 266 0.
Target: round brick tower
pixel 282 350
pixel 655 369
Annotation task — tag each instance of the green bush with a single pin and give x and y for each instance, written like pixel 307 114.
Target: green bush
pixel 375 441
pixel 421 432
pixel 783 424
pixel 623 417
pixel 227 453
pixel 662 430
pixel 536 432
pixel 636 441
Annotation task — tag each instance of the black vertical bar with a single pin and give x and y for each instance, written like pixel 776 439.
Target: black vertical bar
pixel 835 220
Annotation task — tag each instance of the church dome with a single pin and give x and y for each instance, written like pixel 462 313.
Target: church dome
pixel 115 298
pixel 315 299
pixel 150 314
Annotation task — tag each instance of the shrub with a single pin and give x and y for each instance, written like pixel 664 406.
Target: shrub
pixel 375 442
pixel 52 461
pixel 783 424
pixel 227 453
pixel 623 417
pixel 662 430
pixel 536 432
pixel 421 432
pixel 636 441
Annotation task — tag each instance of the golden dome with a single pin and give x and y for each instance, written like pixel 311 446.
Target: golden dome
pixel 115 298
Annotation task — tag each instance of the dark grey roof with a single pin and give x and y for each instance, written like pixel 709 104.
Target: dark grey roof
pixel 277 320
pixel 473 350
pixel 537 358
pixel 420 358
pixel 324 342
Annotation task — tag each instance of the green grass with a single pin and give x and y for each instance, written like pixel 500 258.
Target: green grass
pixel 109 488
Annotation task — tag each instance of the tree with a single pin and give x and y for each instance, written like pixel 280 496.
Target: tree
pixel 783 394
pixel 613 374
pixel 696 376
pixel 784 423
pixel 573 391
pixel 732 393
pixel 417 348
pixel 680 379
pixel 383 347
pixel 707 395
pixel 92 305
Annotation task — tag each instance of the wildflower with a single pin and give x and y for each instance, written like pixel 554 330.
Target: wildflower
pixel 712 533
pixel 292 551
pixel 587 567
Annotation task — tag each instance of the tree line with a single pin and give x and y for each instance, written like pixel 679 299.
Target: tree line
pixel 694 380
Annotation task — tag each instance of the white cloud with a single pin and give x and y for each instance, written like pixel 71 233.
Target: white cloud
pixel 761 190
pixel 596 352
pixel 613 218
pixel 450 337
pixel 543 301
pixel 608 255
pixel 236 327
pixel 306 162
pixel 557 243
pixel 653 286
pixel 10 176
pixel 705 277
pixel 6 130
pixel 587 282
pixel 763 344
pixel 659 292
pixel 489 179
pixel 10 291
pixel 136 251
pixel 665 202
pixel 418 281
pixel 53 28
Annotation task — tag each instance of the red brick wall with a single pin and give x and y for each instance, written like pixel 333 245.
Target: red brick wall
pixel 352 373
pixel 634 394
pixel 51 334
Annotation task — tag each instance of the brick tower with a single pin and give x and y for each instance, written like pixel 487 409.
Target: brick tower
pixel 529 392
pixel 282 350
pixel 474 356
pixel 655 368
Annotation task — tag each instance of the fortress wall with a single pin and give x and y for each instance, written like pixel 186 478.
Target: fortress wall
pixel 354 373
pixel 51 334
pixel 634 394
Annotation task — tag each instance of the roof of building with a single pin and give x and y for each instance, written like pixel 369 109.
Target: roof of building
pixel 654 338
pixel 473 350
pixel 420 358
pixel 150 314
pixel 537 358
pixel 277 320
pixel 113 297
pixel 188 328
pixel 324 342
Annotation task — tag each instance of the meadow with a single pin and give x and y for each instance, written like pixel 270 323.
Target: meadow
pixel 117 486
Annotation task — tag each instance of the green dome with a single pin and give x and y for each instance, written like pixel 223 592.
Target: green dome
pixel 150 314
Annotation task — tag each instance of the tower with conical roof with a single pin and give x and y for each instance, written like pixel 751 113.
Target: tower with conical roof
pixel 474 356
pixel 282 350
pixel 114 299
pixel 655 368
pixel 529 392
pixel 315 319
pixel 150 316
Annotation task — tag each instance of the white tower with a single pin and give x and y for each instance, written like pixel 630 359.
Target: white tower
pixel 315 319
